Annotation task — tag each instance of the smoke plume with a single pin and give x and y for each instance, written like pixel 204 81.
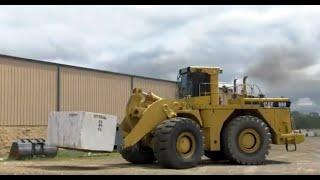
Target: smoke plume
pixel 282 71
pixel 281 65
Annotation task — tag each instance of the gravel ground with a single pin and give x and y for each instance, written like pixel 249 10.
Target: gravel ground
pixel 306 160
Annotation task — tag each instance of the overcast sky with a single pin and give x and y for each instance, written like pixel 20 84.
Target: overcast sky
pixel 277 46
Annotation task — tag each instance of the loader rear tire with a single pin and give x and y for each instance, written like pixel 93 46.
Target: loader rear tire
pixel 138 154
pixel 215 155
pixel 178 143
pixel 246 140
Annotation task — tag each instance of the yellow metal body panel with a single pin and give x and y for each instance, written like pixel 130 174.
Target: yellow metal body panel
pixel 194 114
pixel 292 138
pixel 213 123
pixel 279 121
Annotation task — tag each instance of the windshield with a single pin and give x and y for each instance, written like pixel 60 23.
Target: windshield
pixel 189 84
pixel 184 85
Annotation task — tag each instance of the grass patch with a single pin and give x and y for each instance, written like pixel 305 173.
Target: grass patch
pixel 64 154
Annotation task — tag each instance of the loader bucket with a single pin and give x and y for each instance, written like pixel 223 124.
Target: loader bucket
pixel 143 113
pixel 137 104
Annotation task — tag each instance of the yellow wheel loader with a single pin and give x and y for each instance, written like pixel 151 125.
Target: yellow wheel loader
pixel 208 119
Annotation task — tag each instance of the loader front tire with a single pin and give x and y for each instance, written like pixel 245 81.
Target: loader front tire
pixel 246 140
pixel 178 143
pixel 138 154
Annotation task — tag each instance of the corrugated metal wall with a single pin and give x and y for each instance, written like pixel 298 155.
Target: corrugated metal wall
pixel 99 92
pixel 164 89
pixel 27 92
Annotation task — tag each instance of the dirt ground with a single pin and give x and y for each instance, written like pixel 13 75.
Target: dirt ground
pixel 306 160
pixel 10 134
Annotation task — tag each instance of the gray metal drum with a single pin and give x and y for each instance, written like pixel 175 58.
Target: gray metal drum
pixel 21 149
pixel 37 146
pixel 28 148
pixel 50 151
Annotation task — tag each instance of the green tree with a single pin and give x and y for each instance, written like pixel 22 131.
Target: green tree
pixel 306 121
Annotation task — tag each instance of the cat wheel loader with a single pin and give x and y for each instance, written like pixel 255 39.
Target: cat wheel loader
pixel 207 119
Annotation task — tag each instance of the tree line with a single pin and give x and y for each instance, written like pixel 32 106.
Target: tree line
pixel 306 120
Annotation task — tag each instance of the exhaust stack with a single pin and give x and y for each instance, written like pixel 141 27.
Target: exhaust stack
pixel 244 87
pixel 235 86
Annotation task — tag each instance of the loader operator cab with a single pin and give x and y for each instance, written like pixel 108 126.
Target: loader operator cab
pixel 189 83
pixel 195 81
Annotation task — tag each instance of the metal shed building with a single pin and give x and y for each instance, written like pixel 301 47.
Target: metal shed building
pixel 30 89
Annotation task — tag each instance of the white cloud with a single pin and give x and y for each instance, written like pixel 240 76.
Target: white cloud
pixel 312 71
pixel 157 40
pixel 306 105
pixel 305 102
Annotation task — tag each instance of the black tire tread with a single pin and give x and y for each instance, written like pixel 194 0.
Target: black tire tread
pixel 162 137
pixel 231 153
pixel 138 155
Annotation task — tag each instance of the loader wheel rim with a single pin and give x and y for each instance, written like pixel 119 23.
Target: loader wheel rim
pixel 186 144
pixel 249 140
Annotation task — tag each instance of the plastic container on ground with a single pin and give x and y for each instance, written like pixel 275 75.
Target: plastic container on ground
pixel 82 131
